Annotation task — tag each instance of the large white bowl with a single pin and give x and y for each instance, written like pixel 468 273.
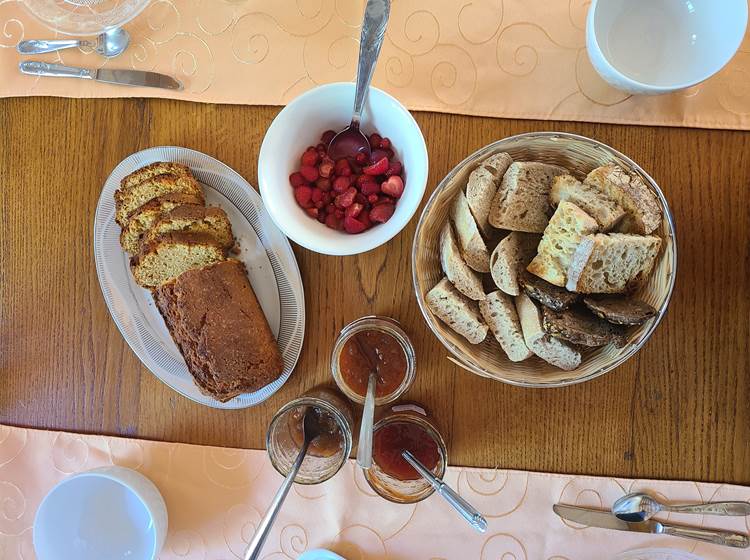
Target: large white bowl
pixel 300 125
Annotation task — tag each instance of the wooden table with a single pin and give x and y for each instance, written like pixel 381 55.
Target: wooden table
pixel 679 409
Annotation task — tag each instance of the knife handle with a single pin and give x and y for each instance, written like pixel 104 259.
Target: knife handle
pixel 715 536
pixel 56 70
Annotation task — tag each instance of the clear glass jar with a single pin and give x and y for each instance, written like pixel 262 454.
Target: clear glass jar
pixel 406 491
pixel 284 437
pixel 385 325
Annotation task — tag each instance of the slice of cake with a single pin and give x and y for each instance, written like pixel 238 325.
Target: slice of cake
pixel 130 199
pixel 196 219
pixel 152 170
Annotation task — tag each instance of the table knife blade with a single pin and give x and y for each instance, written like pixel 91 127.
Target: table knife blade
pixel 137 78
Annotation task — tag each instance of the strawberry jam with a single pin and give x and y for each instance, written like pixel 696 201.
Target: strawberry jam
pixel 370 350
pixel 392 439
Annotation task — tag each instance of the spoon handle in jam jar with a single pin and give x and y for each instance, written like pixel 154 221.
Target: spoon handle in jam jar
pixel 370 41
pixel 467 511
pixel 364 448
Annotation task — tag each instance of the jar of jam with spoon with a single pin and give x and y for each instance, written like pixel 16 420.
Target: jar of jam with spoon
pixel 373 344
pixel 405 427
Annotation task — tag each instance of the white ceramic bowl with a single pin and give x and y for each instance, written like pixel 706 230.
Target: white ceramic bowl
pixel 111 512
pixel 299 125
pixel 659 46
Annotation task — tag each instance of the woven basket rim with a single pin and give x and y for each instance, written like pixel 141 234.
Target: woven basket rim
pixel 458 355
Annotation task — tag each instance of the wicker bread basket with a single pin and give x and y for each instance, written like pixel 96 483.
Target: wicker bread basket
pixel 580 155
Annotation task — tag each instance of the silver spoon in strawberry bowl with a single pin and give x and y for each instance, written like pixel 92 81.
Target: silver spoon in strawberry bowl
pixel 351 141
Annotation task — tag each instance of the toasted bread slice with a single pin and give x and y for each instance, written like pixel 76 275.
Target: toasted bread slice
pixel 545 293
pixel 612 263
pixel 620 310
pixel 548 348
pixel 458 272
pixel 499 312
pixel 152 170
pixel 629 191
pixel 561 237
pixel 588 198
pixel 169 255
pixel 472 245
pixel 147 215
pixel 510 257
pixel 196 219
pixel 578 326
pixel 482 186
pixel 522 201
pixel 457 311
pixel 129 200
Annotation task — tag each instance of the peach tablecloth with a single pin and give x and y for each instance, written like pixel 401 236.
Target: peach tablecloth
pixel 504 58
pixel 216 497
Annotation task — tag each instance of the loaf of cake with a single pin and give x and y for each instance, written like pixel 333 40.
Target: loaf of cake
pixel 214 317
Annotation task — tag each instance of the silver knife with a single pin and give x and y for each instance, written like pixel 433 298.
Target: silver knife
pixel 122 77
pixel 606 520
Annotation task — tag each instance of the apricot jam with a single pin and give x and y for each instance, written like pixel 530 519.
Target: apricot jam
pixel 373 350
pixel 394 438
pixel 328 443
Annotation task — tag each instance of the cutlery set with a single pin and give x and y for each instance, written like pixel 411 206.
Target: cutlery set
pixel 109 44
pixel 633 513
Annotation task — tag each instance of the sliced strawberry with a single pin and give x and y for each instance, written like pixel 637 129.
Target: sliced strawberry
pixel 354 210
pixel 326 167
pixel 313 212
pixel 310 157
pixel 385 143
pixel 352 225
pixel 317 195
pixel 382 212
pixel 333 222
pixel 323 184
pixel 377 168
pixel 364 217
pixel 341 184
pixel 342 167
pixel 372 199
pixel 369 188
pixel 361 158
pixel 394 169
pixel 394 186
pixel 346 199
pixel 296 179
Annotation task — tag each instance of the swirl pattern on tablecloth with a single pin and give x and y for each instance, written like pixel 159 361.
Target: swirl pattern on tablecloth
pixel 483 57
pixel 216 498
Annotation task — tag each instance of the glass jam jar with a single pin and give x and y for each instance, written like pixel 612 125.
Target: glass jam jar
pixel 378 343
pixel 402 427
pixel 328 452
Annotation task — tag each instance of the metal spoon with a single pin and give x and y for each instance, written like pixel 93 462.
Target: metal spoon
pixel 351 141
pixel 311 429
pixel 467 511
pixel 364 447
pixel 639 507
pixel 109 44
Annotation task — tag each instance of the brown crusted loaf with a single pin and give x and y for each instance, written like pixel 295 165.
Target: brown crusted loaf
pixel 152 170
pixel 216 320
pixel 620 310
pixel 171 254
pixel 147 215
pixel 197 219
pixel 130 199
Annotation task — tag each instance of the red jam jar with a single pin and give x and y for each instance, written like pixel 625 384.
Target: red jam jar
pixel 373 343
pixel 405 427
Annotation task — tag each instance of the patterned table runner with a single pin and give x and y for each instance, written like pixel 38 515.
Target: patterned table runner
pixel 216 497
pixel 502 58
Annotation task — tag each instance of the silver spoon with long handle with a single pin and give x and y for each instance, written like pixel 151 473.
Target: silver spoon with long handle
pixel 109 44
pixel 467 511
pixel 364 447
pixel 311 430
pixel 639 507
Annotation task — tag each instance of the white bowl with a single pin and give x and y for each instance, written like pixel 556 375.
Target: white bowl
pixel 659 46
pixel 111 512
pixel 299 125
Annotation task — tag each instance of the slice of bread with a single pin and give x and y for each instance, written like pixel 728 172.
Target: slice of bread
pixel 629 191
pixel 482 186
pixel 458 272
pixel 510 257
pixel 522 201
pixel 129 200
pixel 169 255
pixel 578 326
pixel 458 312
pixel 612 263
pixel 561 237
pixel 499 312
pixel 147 215
pixel 548 348
pixel 152 170
pixel 588 198
pixel 620 310
pixel 197 219
pixel 545 293
pixel 472 245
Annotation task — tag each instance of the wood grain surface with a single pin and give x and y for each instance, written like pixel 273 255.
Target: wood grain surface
pixel 679 409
